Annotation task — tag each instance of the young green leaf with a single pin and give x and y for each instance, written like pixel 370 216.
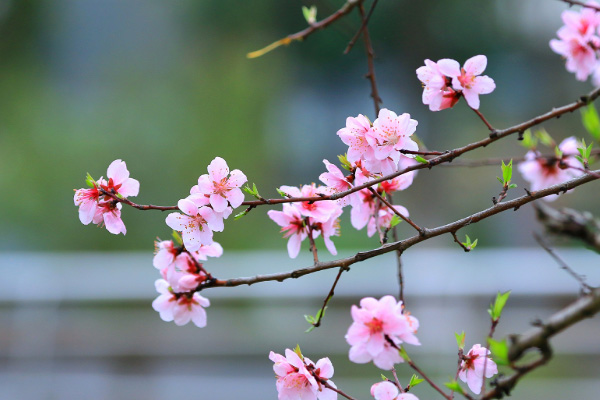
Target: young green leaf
pixel 590 120
pixel 415 380
pixel 297 351
pixel 395 221
pixel 282 193
pixel 421 160
pixel 506 172
pixel 240 215
pixel 454 386
pixel 384 378
pixel 90 181
pixel 499 351
pixel 460 340
pixel 529 141
pixel 177 238
pixel 344 162
pixel 545 138
pixel 310 14
pixel 404 354
pixel 495 309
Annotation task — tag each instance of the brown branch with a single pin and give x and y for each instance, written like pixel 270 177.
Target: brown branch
pixel 338 391
pixel 370 55
pixel 329 296
pixel 581 3
pixel 497 161
pixel 538 338
pixel 362 27
pixel 411 241
pixel 313 246
pixel 138 206
pixel 485 121
pixel 579 278
pixel 465 248
pixel 312 28
pixel 568 222
pixel 431 383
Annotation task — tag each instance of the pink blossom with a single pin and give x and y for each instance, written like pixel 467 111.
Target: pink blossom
pixel 194 225
pixel 583 23
pixel 190 307
pixel 336 182
pixel 437 93
pixel 119 180
pixel 292 226
pixel 354 135
pixel 467 79
pixel 403 181
pixel 221 186
pixel 329 228
pixel 165 254
pixel 297 377
pixel 363 207
pixel 377 324
pixel 390 134
pixel 471 368
pixel 543 172
pixel 387 390
pixel 87 201
pixel 320 211
pixel 183 275
pixel 581 57
pixel 383 219
pixel 208 250
pixel 108 213
pixel 165 303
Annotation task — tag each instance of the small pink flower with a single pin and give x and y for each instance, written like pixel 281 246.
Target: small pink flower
pixel 292 226
pixel 194 226
pixel 438 92
pixel 221 186
pixel 109 214
pixel 467 79
pixel 320 211
pixel 336 182
pixel 581 57
pixel 165 254
pixel 583 23
pixel 471 368
pixel 297 377
pixel 543 172
pixel 329 228
pixel 353 135
pixel 87 201
pixel 190 308
pixel 377 324
pixel 383 219
pixel 403 181
pixel 165 303
pixel 119 180
pixel 390 134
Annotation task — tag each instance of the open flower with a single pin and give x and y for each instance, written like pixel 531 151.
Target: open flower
pixel 292 226
pixel 386 390
pixel 390 134
pixel 378 329
pixel 222 187
pixel 467 79
pixel 437 91
pixel 471 368
pixel 354 135
pixel 194 225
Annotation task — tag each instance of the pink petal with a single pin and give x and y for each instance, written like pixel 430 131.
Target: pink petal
pixel 358 354
pixel 235 197
pixel 237 178
pixel 484 85
pixel 131 187
pixel 177 221
pixel 187 207
pixel 113 222
pixel 218 202
pixel 472 98
pixel 475 382
pixel 449 67
pixel 205 184
pixel 476 65
pixel 326 367
pixel 217 169
pixel 117 170
pixel 198 315
pixel 293 245
pixel 384 391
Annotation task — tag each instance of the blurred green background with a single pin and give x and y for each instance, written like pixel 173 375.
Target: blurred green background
pixel 166 87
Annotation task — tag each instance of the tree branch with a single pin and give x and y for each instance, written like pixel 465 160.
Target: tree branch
pixel 568 222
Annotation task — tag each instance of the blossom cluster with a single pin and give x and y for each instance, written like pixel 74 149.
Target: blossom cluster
pixel 542 172
pixel 472 368
pixel 299 378
pixel 379 329
pixel 445 82
pixel 95 205
pixel 578 42
pixel 374 150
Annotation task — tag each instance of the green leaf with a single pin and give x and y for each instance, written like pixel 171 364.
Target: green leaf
pixel 383 377
pixel 460 340
pixel 404 354
pixel 474 244
pixel 90 181
pixel 500 180
pixel 558 152
pixel 495 309
pixel 282 193
pixel 395 221
pixel 310 14
pixel 177 238
pixel 506 172
pixel 248 190
pixel 309 318
pixel 529 141
pixel 297 351
pixel 512 186
pixel 590 120
pixel 545 138
pixel 415 380
pixel 240 215
pixel 421 160
pixel 454 386
pixel 321 311
pixel 344 162
pixel 499 351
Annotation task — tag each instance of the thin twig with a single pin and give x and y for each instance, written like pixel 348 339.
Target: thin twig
pixel 312 28
pixel 579 278
pixel 431 383
pixel 399 266
pixel 391 207
pixel 485 121
pixel 313 247
pixel 465 248
pixel 362 27
pixel 582 4
pixel 370 56
pixel 329 296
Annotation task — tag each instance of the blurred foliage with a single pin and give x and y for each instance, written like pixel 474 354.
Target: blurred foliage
pixel 166 87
